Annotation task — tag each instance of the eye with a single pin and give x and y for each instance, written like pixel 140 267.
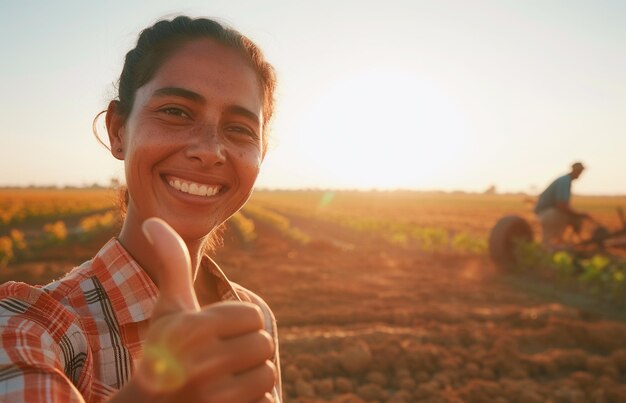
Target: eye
pixel 174 111
pixel 242 130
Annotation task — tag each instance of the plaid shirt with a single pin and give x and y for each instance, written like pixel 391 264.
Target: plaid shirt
pixel 79 338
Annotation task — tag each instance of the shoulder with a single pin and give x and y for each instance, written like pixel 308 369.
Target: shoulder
pixel 564 180
pixel 26 309
pixel 36 302
pixel 562 185
pixel 58 299
pixel 19 290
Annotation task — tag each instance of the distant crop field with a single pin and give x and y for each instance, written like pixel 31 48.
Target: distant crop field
pixel 23 205
pixel 33 220
pixel 422 219
pixel 30 219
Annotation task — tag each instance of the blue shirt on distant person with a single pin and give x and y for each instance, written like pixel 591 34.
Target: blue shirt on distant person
pixel 558 191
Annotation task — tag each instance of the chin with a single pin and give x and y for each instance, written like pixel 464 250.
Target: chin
pixel 191 229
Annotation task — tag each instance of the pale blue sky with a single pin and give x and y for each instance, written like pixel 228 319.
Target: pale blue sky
pixel 413 94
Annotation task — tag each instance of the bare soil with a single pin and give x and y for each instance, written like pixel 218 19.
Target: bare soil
pixel 360 320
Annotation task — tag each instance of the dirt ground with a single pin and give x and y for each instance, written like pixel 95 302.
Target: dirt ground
pixel 361 321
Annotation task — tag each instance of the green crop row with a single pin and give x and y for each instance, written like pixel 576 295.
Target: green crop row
pixel 405 234
pixel 600 275
pixel 428 239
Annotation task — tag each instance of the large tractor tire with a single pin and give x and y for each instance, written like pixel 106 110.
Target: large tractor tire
pixel 504 236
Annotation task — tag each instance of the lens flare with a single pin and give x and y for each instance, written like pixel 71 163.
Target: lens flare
pixel 161 372
pixel 327 198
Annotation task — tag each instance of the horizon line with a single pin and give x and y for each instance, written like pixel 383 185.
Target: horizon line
pixel 318 189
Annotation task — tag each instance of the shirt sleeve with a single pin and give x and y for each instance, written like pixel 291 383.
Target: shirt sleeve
pixel 43 352
pixel 30 365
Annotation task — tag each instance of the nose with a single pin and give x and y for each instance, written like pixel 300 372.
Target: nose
pixel 207 148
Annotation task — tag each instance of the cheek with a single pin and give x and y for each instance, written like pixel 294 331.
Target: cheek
pixel 150 145
pixel 249 162
pixel 135 154
pixel 141 157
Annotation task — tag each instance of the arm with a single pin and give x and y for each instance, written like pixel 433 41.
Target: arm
pixel 20 382
pixel 31 364
pixel 563 196
pixel 566 208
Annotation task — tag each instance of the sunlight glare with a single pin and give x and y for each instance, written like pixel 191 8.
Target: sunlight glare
pixel 382 129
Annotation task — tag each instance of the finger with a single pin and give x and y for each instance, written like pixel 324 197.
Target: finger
pixel 218 321
pixel 249 386
pixel 234 318
pixel 221 320
pixel 231 356
pixel 174 276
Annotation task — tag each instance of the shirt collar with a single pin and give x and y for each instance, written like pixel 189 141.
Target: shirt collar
pixel 131 291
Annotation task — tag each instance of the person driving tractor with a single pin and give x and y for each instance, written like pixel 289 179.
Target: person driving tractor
pixel 554 210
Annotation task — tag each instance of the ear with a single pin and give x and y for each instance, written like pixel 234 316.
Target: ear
pixel 115 123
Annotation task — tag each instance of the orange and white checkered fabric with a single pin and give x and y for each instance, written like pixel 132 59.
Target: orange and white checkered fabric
pixel 78 338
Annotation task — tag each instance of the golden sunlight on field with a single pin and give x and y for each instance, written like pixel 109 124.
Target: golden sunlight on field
pixel 384 296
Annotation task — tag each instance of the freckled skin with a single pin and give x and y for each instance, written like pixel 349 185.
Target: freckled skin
pixel 202 140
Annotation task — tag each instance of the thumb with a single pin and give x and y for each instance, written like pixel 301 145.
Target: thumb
pixel 175 284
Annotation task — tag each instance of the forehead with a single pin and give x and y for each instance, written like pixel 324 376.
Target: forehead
pixel 218 72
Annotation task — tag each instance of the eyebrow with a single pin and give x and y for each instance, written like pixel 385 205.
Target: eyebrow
pixel 239 110
pixel 179 92
pixel 194 96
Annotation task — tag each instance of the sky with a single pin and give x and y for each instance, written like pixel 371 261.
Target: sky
pixel 425 95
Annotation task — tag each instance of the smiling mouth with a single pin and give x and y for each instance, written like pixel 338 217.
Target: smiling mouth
pixel 193 188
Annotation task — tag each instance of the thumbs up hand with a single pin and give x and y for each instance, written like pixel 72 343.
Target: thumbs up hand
pixel 218 353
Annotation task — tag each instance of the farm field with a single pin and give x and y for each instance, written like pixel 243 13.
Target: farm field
pixel 379 296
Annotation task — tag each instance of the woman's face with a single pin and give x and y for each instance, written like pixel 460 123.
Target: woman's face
pixel 192 143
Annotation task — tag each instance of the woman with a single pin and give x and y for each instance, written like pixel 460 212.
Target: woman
pixel 190 123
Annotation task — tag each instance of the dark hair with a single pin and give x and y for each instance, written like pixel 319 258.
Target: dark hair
pixel 156 43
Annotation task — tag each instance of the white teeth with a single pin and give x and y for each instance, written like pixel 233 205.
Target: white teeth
pixel 193 188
